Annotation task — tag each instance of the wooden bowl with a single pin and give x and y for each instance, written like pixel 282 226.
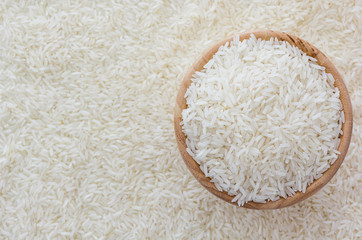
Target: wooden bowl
pixel 346 127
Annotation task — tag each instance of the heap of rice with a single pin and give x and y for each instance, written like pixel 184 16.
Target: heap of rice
pixel 263 120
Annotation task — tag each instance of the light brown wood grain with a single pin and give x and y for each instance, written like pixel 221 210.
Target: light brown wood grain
pixel 345 138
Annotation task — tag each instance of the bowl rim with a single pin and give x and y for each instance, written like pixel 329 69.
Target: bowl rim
pixel 322 60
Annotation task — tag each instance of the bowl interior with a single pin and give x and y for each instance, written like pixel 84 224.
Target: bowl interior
pixel 346 127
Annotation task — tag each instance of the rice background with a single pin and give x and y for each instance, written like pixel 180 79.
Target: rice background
pixel 87 148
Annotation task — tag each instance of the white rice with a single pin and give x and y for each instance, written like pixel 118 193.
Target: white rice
pixel 88 149
pixel 263 120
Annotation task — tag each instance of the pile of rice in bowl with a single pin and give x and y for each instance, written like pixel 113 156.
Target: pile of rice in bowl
pixel 263 120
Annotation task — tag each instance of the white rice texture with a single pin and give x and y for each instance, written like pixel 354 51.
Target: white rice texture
pixel 87 143
pixel 263 119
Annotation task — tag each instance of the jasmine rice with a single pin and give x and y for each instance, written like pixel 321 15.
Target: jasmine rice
pixel 263 120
